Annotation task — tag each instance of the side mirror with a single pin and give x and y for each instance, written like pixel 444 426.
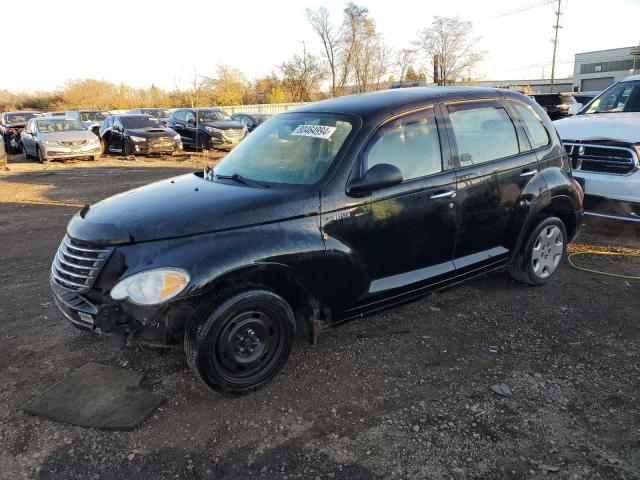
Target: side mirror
pixel 379 176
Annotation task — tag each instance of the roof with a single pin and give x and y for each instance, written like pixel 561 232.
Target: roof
pixel 385 102
pixel 632 78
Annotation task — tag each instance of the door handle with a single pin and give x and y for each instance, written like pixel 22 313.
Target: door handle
pixel 447 194
pixel 528 173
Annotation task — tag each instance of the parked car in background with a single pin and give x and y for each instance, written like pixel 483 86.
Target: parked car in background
pixel 324 214
pixel 55 114
pixel 555 104
pixel 603 141
pixel 11 124
pixel 3 152
pixel 250 120
pixel 160 114
pixel 91 119
pixel 130 134
pixel 53 138
pixel 206 128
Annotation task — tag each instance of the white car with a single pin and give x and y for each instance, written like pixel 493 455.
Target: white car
pixel 603 141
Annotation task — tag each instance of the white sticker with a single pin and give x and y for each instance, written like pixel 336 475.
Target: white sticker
pixel 315 131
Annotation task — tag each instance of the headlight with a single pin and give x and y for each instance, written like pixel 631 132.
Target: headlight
pixel 151 287
pixel 213 130
pixel 177 138
pixel 137 139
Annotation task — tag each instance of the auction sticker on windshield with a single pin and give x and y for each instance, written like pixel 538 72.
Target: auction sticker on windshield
pixel 315 131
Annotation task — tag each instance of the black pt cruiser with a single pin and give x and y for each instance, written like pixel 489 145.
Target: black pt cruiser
pixel 333 211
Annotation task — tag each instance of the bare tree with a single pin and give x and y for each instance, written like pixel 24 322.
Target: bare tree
pixel 449 43
pixel 356 31
pixel 302 76
pixel 319 20
pixel 404 60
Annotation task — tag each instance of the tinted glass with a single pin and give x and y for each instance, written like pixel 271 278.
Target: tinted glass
pixel 205 116
pixel 139 122
pixel 20 117
pixel 410 143
pixel 293 149
pixel 180 115
pixel 92 116
pixel 536 132
pixel 483 134
pixel 622 97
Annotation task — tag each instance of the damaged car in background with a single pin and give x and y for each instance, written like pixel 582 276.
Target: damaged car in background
pixel 131 134
pixel 11 125
pixel 603 142
pixel 206 128
pixel 324 214
pixel 91 119
pixel 54 138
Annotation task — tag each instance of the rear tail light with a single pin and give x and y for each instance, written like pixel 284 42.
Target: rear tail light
pixel 578 188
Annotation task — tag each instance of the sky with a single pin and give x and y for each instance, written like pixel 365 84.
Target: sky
pixel 166 43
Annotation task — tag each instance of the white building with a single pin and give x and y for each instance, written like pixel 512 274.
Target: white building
pixel 595 71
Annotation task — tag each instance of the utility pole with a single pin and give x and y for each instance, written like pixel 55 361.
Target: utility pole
pixel 557 27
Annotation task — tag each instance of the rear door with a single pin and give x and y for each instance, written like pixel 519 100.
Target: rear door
pixel 494 165
pixel 401 236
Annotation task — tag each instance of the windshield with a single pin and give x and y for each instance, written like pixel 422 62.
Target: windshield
pixel 206 116
pixel 621 97
pixel 293 149
pixel 92 116
pixel 61 125
pixel 156 112
pixel 20 117
pixel 139 122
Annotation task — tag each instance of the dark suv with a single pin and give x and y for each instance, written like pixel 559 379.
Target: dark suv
pixel 206 128
pixel 324 214
pixel 556 105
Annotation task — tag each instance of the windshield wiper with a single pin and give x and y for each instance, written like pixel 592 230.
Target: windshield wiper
pixel 236 177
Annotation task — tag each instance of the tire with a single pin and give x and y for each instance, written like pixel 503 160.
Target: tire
pixel 240 340
pixel 541 254
pixel 41 158
pixel 25 155
pixel 127 150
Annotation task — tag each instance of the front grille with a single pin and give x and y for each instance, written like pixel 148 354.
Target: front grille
pixel 233 133
pixel 77 264
pixel 601 158
pixel 75 143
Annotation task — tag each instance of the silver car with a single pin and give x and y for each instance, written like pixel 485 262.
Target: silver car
pixel 53 138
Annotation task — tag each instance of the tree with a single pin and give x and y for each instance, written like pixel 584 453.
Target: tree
pixel 302 76
pixel 228 86
pixel 403 63
pixel 449 43
pixel 319 20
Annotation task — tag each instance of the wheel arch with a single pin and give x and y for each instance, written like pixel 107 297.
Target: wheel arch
pixel 280 279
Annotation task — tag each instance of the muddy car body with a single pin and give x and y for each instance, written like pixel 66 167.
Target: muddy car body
pixel 333 211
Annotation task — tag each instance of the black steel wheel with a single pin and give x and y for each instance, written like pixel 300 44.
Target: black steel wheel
pixel 239 341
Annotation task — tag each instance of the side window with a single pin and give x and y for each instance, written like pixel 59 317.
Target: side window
pixel 483 132
pixel 181 115
pixel 117 123
pixel 189 116
pixel 410 143
pixel 536 132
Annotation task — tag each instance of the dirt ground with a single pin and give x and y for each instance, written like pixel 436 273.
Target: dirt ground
pixel 403 394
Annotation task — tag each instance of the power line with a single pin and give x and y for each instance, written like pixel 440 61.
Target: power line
pixel 521 9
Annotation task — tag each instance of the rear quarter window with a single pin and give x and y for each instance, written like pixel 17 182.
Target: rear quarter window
pixel 537 133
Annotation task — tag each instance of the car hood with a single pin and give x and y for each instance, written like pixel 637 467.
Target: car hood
pixel 184 206
pixel 620 127
pixel 151 132
pixel 74 135
pixel 224 124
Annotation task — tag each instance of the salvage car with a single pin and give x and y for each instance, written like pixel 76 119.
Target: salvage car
pixel 250 120
pixel 11 124
pixel 603 142
pixel 160 114
pixel 53 138
pixel 130 134
pixel 3 153
pixel 91 119
pixel 324 214
pixel 557 105
pixel 206 128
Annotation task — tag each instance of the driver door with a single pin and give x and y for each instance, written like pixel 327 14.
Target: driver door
pixel 402 237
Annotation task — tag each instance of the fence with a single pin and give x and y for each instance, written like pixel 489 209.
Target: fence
pixel 269 108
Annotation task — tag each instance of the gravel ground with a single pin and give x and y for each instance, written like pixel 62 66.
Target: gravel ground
pixel 405 394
